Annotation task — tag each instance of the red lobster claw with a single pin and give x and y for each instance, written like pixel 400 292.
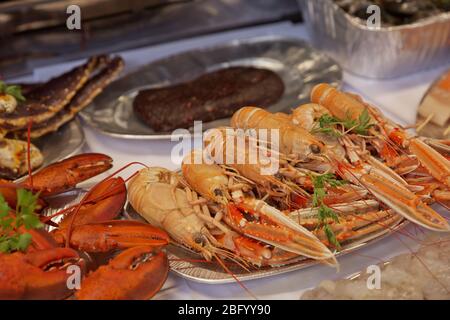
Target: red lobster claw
pixel 38 275
pixel 66 174
pixel 115 234
pixel 137 273
pixel 104 202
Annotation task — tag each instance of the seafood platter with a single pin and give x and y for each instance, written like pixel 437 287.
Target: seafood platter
pixel 346 176
pixel 292 171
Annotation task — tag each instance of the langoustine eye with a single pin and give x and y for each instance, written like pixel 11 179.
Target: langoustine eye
pixel 315 148
pixel 199 239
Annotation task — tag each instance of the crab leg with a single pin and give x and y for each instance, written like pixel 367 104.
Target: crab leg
pixel 82 98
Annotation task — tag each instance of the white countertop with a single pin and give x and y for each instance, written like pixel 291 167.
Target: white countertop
pixel 399 98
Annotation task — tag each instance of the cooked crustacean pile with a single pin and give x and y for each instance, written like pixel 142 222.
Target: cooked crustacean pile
pixel 38 264
pixel 46 107
pixel 344 172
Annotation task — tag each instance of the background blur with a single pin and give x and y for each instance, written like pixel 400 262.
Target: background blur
pixel 34 33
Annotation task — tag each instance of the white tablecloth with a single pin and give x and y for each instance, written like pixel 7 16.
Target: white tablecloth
pixel 398 98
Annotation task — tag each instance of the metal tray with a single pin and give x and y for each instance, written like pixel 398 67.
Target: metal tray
pixel 183 261
pixel 299 66
pixel 387 52
pixel 65 142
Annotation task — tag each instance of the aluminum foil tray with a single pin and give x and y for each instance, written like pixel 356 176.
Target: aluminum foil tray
pixel 298 65
pixel 384 53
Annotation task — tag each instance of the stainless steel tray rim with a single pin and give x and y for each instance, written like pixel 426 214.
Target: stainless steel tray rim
pixel 294 266
pixel 178 251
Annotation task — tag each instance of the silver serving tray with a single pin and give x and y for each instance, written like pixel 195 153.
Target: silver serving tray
pixel 184 262
pixel 299 66
pixel 386 52
pixel 67 141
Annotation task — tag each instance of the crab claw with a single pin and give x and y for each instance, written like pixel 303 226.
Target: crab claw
pixel 115 234
pixel 66 174
pixel 135 274
pixel 39 275
pixel 405 203
pixel 259 221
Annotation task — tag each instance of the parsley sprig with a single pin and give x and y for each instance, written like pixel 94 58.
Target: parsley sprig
pixel 327 124
pixel 10 239
pixel 12 90
pixel 324 212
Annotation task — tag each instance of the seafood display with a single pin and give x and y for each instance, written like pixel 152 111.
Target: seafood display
pixel 423 275
pixel 351 139
pixel 396 12
pixel 267 237
pixel 212 96
pixel 344 172
pixel 34 262
pixel 45 107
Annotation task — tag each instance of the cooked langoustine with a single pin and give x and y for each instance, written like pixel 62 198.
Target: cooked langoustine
pixel 293 140
pixel 359 166
pixel 390 141
pixel 250 216
pixel 387 134
pixel 160 197
pixel 293 183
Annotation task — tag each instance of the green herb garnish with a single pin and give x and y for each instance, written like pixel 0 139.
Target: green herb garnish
pixel 12 90
pixel 327 124
pixel 10 239
pixel 325 212
pixel 361 125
